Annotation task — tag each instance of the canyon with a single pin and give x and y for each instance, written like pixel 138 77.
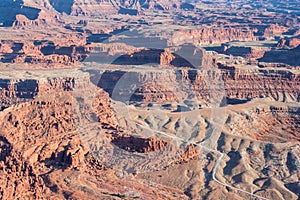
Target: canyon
pixel 149 99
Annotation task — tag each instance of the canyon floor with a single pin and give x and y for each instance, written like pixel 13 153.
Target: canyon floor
pixel 149 99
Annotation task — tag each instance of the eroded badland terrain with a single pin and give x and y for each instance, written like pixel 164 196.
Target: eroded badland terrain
pixel 144 99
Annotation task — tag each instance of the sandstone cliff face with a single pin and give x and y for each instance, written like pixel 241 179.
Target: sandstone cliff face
pixel 44 19
pixel 191 152
pixel 273 30
pixel 213 36
pixel 139 145
pixel 279 85
pixel 16 91
pixel 289 43
pixel 41 52
pixel 111 82
pixel 154 93
pixel 166 57
pixel 13 91
pixel 238 84
pixel 246 52
pixel 186 56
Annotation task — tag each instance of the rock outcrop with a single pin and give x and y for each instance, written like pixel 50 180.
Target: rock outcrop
pixel 16 91
pixel 32 164
pixel 166 57
pixel 246 52
pixel 268 123
pixel 289 43
pixel 273 30
pixel 213 36
pixel 238 84
pixel 41 52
